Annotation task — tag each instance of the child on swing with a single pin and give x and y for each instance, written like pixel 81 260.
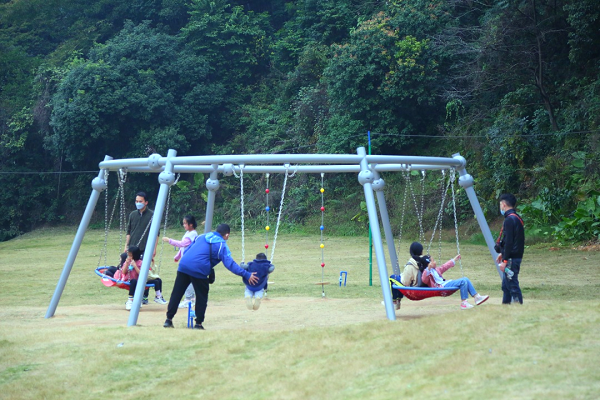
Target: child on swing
pixel 130 271
pixel 254 293
pixel 432 277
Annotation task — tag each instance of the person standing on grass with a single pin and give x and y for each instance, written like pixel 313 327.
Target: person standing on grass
pixel 196 267
pixel 510 245
pixel 189 224
pixel 432 277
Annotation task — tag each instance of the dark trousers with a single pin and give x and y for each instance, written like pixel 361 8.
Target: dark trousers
pixel 510 287
pixel 157 286
pixel 201 288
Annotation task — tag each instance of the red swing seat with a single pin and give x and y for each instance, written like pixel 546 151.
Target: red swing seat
pixel 421 293
pixel 109 281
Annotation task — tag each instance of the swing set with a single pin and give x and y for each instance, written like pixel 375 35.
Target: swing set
pixel 367 167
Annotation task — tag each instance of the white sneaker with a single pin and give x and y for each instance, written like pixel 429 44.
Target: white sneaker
pixel 128 304
pixel 184 304
pixel 479 299
pixel 465 305
pixel 160 300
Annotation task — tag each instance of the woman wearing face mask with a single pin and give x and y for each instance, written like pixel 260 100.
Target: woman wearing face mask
pixel 432 277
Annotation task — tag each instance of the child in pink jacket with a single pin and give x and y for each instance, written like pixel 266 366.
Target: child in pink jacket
pixel 189 224
pixel 432 277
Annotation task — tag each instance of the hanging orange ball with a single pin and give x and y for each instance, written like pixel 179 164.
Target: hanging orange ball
pixel 267 227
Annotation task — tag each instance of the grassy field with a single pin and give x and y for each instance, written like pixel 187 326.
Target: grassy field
pixel 298 345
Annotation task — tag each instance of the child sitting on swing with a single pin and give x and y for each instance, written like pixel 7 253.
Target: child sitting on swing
pixel 254 293
pixel 130 271
pixel 432 277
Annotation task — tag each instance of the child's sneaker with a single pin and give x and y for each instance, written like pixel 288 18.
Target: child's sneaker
pixel 249 303
pixel 465 305
pixel 168 324
pixel 128 304
pixel 185 304
pixel 160 300
pixel 479 299
pixel 145 300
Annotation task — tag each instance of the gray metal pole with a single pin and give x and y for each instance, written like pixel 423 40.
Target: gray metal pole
pixel 366 178
pixel 378 185
pixel 212 184
pixel 166 179
pixel 466 181
pixel 99 185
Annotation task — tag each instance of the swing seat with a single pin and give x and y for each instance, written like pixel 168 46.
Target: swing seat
pixel 109 281
pixel 421 293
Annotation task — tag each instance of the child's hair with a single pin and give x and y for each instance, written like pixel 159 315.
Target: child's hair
pixel 261 256
pixel 191 221
pixel 135 251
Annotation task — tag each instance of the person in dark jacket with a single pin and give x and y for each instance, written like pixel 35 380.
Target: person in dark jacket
pixel 195 267
pixel 254 292
pixel 510 246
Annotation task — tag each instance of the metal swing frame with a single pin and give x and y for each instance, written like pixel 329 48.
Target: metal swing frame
pixel 368 168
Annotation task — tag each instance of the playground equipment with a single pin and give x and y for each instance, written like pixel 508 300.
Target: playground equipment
pixel 368 168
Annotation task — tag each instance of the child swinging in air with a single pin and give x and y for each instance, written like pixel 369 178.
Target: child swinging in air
pixel 254 293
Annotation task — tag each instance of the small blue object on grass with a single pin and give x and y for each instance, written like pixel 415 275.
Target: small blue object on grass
pixel 191 316
pixel 345 276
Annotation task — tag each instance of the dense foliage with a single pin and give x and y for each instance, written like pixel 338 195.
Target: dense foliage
pixel 512 85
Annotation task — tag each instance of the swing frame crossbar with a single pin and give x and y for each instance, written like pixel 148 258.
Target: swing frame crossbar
pixel 368 168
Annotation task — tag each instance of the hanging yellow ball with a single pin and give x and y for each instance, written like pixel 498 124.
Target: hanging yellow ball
pixel 322 245
pixel 322 190
pixel 267 227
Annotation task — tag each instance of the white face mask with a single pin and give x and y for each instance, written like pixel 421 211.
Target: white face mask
pixel 139 206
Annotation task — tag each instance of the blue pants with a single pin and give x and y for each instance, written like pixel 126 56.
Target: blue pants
pixel 510 287
pixel 465 285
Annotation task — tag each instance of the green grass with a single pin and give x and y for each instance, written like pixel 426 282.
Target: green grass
pixel 298 345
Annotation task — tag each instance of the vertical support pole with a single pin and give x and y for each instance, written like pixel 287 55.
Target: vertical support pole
pixel 466 181
pixel 98 185
pixel 366 178
pixel 166 179
pixel 212 184
pixel 378 185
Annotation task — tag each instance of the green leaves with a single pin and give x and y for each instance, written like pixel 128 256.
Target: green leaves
pixel 143 88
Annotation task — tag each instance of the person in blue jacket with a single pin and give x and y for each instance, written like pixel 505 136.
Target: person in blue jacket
pixel 195 267
pixel 254 292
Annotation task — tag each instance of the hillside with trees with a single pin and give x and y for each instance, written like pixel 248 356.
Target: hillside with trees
pixel 512 85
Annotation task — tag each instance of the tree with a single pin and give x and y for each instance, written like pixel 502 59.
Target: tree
pixel 143 88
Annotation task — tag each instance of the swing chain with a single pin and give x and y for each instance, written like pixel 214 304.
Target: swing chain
pixel 438 221
pixel 162 244
pixel 103 252
pixel 285 178
pixel 414 198
pixel 241 177
pixel 452 179
pixel 422 232
pixel 402 218
pixel 122 212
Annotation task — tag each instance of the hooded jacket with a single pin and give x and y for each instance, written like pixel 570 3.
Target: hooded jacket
pixel 262 268
pixel 409 276
pixel 204 253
